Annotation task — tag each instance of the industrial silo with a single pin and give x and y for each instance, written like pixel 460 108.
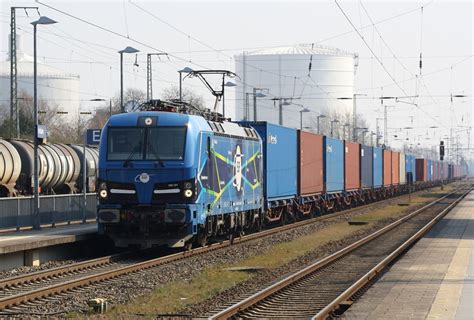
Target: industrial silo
pixel 309 76
pixel 59 89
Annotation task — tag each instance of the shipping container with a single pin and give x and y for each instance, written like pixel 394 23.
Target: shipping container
pixel 410 168
pixel 280 159
pixel 395 167
pixel 430 170
pixel 366 166
pixel 402 172
pixel 311 160
pixel 421 170
pixel 333 164
pixel 378 167
pixel 351 165
pixel 387 167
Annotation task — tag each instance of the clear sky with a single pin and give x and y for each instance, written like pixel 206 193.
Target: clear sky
pixel 208 34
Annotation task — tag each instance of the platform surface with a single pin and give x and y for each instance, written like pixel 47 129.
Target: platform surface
pixel 32 239
pixel 433 280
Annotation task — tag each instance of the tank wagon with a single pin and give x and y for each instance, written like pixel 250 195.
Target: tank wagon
pixel 60 168
pixel 168 178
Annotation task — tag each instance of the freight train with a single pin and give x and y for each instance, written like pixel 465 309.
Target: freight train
pixel 168 178
pixel 60 168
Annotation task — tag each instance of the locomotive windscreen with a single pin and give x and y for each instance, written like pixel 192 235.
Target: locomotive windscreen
pixel 158 143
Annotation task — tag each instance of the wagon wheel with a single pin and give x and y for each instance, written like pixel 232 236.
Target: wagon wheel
pixel 202 239
pixel 188 246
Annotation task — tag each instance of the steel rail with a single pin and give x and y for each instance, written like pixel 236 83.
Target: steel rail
pixel 365 279
pixel 44 274
pixel 12 300
pixel 263 294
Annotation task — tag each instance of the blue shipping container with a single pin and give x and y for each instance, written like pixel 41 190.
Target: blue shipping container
pixel 430 170
pixel 280 160
pixel 334 164
pixel 378 167
pixel 366 166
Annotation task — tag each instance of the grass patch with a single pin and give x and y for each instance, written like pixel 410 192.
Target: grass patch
pixel 176 295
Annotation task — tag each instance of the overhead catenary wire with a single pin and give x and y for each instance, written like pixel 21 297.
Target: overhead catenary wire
pixel 382 65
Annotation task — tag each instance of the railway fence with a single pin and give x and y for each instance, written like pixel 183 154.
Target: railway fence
pixel 17 213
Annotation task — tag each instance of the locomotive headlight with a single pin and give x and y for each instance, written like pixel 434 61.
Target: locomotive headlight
pixel 188 193
pixel 103 193
pixel 103 186
pixel 188 185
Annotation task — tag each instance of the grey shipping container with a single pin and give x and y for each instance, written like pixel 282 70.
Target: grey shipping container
pixel 366 166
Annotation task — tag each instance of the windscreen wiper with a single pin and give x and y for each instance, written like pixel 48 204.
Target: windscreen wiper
pixel 155 153
pixel 130 156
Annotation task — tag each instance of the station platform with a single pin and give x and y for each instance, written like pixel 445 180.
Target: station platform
pixel 433 280
pixel 31 246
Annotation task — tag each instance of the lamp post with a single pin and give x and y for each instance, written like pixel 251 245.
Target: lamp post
pixel 301 116
pixel 346 125
pixel 227 84
pixel 318 117
pixel 363 135
pixel 255 96
pixel 184 70
pixel 36 219
pixel 354 111
pixel 358 128
pixel 126 50
pixel 332 126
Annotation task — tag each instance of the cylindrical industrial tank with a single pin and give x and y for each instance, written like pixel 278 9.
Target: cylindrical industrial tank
pixel 10 168
pixel 26 152
pixel 56 87
pixel 315 75
pixel 92 161
pixel 74 167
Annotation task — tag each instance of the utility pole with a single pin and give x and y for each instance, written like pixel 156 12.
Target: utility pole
pixel 354 117
pixel 378 131
pixel 14 112
pixel 385 129
pixel 149 79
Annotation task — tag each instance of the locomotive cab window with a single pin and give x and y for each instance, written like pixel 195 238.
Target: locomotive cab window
pixel 165 143
pixel 125 143
pixel 158 143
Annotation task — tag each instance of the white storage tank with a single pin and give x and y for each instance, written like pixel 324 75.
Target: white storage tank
pixel 314 76
pixel 58 89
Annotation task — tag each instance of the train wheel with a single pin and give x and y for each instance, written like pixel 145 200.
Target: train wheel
pixel 202 239
pixel 188 246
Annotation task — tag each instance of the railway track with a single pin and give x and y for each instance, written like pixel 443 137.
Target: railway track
pixel 328 286
pixel 23 289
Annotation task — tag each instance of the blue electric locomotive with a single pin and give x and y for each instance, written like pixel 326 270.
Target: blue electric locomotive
pixel 167 178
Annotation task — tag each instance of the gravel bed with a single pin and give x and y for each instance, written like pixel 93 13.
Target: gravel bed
pixel 126 288
pixel 265 277
pixel 25 270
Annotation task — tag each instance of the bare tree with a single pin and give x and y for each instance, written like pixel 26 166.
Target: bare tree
pixel 171 93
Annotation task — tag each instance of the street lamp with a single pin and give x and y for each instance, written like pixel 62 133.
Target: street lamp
pixel 255 96
pixel 103 100
pixel 332 126
pixel 320 116
pixel 36 219
pixel 126 50
pixel 184 70
pixel 354 111
pixel 346 125
pixel 355 130
pixel 301 116
pixel 227 84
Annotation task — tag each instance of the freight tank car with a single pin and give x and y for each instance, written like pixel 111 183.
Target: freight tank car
pixel 170 179
pixel 10 168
